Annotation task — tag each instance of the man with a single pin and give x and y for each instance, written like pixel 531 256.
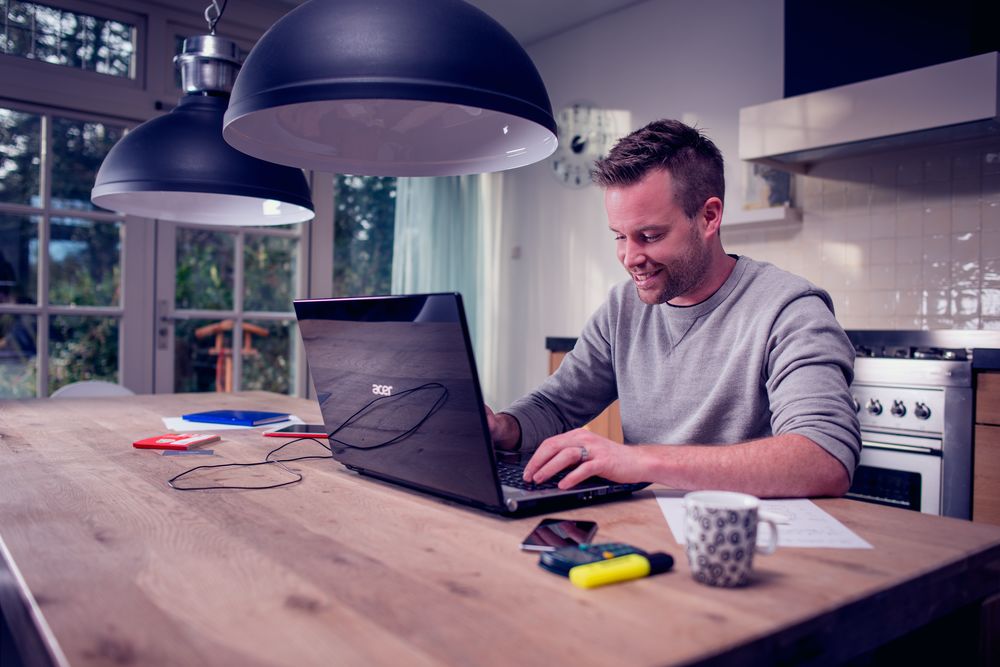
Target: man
pixel 703 349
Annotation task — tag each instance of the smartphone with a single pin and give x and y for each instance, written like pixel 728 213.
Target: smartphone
pixel 299 431
pixel 552 534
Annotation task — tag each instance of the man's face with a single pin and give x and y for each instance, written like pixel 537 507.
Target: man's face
pixel 662 249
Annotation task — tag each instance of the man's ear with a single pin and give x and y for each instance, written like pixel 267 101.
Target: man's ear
pixel 711 214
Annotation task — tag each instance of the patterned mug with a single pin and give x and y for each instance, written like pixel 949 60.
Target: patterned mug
pixel 720 528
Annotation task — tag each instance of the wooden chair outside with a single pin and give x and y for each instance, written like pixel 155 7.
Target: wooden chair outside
pixel 224 355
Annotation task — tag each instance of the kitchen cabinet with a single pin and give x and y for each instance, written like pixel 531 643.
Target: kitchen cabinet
pixel 986 461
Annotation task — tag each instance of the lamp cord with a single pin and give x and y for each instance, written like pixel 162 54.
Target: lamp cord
pixel 213 13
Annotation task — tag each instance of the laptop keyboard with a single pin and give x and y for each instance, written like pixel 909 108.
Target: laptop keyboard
pixel 512 474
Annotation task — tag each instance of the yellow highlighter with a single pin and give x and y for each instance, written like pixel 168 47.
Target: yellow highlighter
pixel 623 568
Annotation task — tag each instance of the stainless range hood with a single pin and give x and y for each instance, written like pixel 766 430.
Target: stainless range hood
pixel 939 104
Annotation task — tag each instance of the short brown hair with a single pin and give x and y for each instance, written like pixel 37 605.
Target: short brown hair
pixel 694 162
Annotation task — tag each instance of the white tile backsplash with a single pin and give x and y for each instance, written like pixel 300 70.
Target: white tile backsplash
pixel 937 218
pixel 989 213
pixel 965 165
pixel 990 302
pixel 901 241
pixel 990 247
pixel 991 273
pixel 965 218
pixel 937 169
pixel 910 221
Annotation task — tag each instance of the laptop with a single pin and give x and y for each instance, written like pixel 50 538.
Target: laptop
pixel 396 382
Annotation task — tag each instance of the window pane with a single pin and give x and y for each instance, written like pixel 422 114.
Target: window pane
pixel 85 258
pixel 364 222
pixel 204 269
pixel 269 361
pixel 81 41
pixel 198 364
pixel 78 148
pixel 18 356
pixel 45 34
pixel 114 49
pixel 18 258
pixel 269 272
pixel 82 348
pixel 20 157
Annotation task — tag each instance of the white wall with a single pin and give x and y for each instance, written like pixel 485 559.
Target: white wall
pixel 699 61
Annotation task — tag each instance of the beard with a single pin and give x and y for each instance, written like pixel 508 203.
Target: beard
pixel 680 276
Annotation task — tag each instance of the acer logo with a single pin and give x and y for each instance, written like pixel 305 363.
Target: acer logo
pixel 382 389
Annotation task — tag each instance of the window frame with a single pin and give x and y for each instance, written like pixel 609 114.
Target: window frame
pixel 129 311
pixel 45 88
pixel 167 313
pixel 137 81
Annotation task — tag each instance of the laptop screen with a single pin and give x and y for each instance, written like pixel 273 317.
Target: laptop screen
pixel 397 386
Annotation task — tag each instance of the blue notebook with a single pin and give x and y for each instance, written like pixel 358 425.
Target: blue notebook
pixel 237 417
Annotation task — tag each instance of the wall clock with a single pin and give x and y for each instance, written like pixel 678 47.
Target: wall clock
pixel 586 133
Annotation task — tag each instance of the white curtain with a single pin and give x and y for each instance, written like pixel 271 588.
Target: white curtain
pixel 447 239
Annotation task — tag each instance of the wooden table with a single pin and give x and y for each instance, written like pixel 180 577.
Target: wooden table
pixel 106 565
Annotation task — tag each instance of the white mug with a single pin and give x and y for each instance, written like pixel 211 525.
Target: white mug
pixel 720 528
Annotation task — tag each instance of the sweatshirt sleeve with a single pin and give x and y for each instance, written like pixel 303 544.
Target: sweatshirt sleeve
pixel 582 386
pixel 810 366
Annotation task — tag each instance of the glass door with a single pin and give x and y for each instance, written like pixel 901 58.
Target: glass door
pixel 224 316
pixel 70 276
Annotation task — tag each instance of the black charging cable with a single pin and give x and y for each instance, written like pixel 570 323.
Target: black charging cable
pixel 440 401
pixel 267 461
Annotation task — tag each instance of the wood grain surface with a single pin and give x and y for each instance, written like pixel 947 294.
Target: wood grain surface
pixel 986 479
pixel 344 570
pixel 988 398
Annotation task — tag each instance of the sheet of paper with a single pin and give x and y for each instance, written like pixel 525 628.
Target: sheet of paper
pixel 802 524
pixel 181 425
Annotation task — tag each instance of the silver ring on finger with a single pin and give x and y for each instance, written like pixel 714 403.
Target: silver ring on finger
pixel 584 454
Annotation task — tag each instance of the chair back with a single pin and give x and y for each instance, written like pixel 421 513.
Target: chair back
pixel 91 389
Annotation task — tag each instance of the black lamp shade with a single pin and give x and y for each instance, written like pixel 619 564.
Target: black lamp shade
pixel 178 167
pixel 390 88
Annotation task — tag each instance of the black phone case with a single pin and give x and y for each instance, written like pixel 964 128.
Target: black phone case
pixel 561 561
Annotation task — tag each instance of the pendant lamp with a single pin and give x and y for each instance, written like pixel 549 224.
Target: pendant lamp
pixel 390 88
pixel 178 167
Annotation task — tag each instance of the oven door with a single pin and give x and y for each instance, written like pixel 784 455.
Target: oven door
pixel 899 471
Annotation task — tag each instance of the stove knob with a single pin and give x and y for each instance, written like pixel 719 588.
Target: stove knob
pixel 857 406
pixel 921 411
pixel 874 407
pixel 897 409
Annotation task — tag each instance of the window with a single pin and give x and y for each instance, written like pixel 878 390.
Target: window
pixel 72 39
pixel 232 307
pixel 60 256
pixel 364 225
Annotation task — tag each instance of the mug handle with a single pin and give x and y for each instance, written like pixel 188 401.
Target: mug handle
pixel 772 521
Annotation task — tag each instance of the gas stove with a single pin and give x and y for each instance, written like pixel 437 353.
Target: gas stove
pixel 913 395
pixel 911 352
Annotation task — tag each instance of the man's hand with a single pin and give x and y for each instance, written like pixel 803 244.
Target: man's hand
pixel 782 466
pixel 504 429
pixel 604 458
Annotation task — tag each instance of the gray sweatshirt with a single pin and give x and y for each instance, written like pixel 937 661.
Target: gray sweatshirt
pixel 762 356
